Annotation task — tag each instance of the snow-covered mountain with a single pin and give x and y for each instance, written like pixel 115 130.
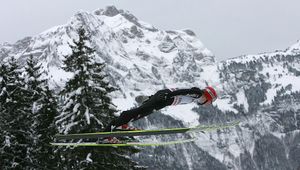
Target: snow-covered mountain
pixel 261 90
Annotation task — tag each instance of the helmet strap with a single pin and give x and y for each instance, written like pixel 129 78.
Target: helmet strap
pixel 204 102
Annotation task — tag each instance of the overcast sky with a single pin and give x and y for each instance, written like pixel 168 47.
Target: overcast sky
pixel 228 28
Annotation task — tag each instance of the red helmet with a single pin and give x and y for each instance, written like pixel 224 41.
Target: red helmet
pixel 209 96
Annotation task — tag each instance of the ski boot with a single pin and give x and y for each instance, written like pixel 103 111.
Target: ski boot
pixel 126 127
pixel 110 140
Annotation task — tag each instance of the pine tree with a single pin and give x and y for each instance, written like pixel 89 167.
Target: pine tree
pixel 43 109
pixel 87 108
pixel 86 93
pixel 27 113
pixel 16 136
pixel 3 96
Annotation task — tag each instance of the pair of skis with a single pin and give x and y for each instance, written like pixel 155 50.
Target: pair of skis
pixel 98 135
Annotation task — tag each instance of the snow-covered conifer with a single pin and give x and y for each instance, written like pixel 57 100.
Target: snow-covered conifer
pixel 16 135
pixel 87 108
pixel 43 109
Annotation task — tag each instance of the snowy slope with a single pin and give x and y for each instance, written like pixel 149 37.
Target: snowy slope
pixel 142 59
pixel 264 90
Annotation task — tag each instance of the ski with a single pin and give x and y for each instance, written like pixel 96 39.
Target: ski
pixel 145 132
pixel 124 144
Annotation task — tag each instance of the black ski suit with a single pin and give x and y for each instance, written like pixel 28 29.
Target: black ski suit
pixel 159 100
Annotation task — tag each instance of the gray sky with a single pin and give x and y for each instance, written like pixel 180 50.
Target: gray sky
pixel 228 28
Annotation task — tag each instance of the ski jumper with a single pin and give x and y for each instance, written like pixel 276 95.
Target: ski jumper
pixel 159 100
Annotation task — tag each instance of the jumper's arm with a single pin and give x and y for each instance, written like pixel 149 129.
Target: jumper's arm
pixel 191 91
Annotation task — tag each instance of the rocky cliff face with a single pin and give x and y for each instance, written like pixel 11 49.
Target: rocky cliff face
pixel 260 90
